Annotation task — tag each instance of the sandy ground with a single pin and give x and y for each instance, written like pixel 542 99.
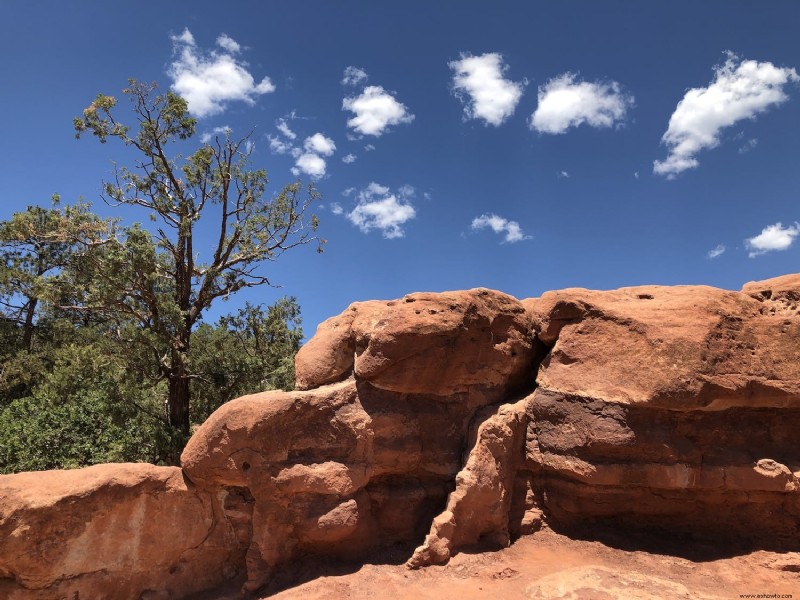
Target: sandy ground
pixel 547 566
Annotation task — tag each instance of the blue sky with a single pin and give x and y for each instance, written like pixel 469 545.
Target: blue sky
pixel 521 146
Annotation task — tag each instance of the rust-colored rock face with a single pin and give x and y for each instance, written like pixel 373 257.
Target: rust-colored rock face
pixel 110 531
pixel 452 421
pixel 672 409
pixel 437 344
pixel 370 458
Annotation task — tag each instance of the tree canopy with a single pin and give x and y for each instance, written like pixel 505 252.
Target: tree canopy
pixel 160 279
pixel 106 353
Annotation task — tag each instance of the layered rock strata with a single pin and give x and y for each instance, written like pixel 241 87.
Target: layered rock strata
pixel 469 416
pixel 670 409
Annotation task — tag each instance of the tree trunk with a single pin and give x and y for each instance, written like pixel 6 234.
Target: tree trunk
pixel 178 402
pixel 27 332
pixel 179 398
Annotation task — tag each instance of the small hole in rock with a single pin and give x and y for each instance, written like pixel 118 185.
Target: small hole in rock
pixel 645 296
pixel 245 466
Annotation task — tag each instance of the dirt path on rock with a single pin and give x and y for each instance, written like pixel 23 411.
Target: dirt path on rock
pixel 549 566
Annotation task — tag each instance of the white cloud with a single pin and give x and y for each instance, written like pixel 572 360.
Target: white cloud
pixel 349 159
pixel 208 135
pixel 279 146
pixel 284 128
pixel 740 90
pixel 208 81
pixel 336 208
pixel 718 251
pixel 227 43
pixel 562 175
pixel 565 102
pixel 319 144
pixel 376 110
pixel 309 160
pixel 479 83
pixel 185 38
pixel 748 145
pixel 353 76
pixel 348 191
pixel 512 230
pixel 636 174
pixel 378 208
pixel 772 237
pixel 310 164
pixel 369 148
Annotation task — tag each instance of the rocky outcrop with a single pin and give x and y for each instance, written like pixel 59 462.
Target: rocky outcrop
pixel 467 416
pixel 670 409
pixel 111 531
pixel 479 508
pixel 369 454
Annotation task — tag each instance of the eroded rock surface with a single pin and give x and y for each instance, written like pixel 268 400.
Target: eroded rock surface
pixel 369 454
pixel 671 408
pixel 467 416
pixel 110 531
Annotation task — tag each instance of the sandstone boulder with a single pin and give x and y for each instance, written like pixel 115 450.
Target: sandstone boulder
pixel 369 454
pixel 670 408
pixel 439 344
pixel 110 531
pixel 468 416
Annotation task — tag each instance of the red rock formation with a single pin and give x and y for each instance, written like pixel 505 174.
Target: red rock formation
pixel 369 460
pixel 672 409
pixel 110 531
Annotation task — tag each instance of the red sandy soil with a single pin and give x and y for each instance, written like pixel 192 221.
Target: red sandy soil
pixel 548 566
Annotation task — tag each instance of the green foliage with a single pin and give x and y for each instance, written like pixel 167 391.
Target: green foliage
pixel 105 356
pixel 83 412
pixel 245 353
pixel 160 281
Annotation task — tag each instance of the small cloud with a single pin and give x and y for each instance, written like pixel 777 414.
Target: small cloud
pixel 349 159
pixel 772 237
pixel 375 111
pixel 718 251
pixel 229 44
pixel 283 126
pixel 636 174
pixel 565 102
pixel 309 164
pixel 185 38
pixel 479 83
pixel 741 89
pixel 309 161
pixel 348 191
pixel 378 208
pixel 353 76
pixel 279 146
pixel 208 81
pixel 319 144
pixel 209 135
pixel 513 232
pixel 562 175
pixel 748 145
pixel 369 148
pixel 336 208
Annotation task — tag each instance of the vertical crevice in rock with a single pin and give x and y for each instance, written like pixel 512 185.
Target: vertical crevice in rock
pixel 494 497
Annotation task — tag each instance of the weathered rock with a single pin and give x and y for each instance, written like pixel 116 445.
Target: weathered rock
pixel 603 583
pixel 370 458
pixel 667 409
pixel 670 408
pixel 478 509
pixel 440 344
pixel 111 531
